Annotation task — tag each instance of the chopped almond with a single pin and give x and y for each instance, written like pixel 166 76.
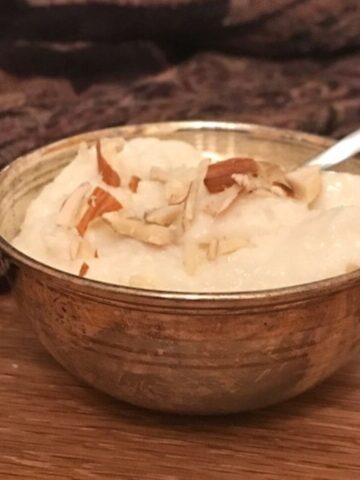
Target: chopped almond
pixel 177 190
pixel 74 246
pixel 100 202
pixel 72 207
pixel 81 248
pixel 86 249
pixel 84 269
pixel 270 178
pixel 274 179
pixel 108 174
pixel 219 202
pixel 153 234
pixel 219 175
pixel 190 203
pixel 164 215
pixel 271 173
pixel 248 183
pixel 305 183
pixel 134 183
pixel 176 183
pixel 282 190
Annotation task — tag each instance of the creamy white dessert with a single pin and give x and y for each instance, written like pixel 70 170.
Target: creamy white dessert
pixel 155 214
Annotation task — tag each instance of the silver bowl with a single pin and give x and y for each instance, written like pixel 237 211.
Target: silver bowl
pixel 198 353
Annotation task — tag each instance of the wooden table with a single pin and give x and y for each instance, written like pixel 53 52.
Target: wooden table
pixel 54 427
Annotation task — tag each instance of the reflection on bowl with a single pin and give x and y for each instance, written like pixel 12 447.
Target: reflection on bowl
pixel 185 353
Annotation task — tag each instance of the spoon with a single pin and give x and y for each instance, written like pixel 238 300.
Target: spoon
pixel 339 152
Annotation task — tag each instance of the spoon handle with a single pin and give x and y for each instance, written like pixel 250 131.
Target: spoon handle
pixel 342 150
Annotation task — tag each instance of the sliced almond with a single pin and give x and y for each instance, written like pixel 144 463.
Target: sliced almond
pixel 274 179
pixel 134 183
pixel 74 246
pixel 305 183
pixel 82 248
pixel 86 249
pixel 219 202
pixel 219 175
pixel 176 182
pixel 100 202
pixel 164 215
pixel 270 179
pixel 193 257
pixel 72 207
pixel 84 269
pixel 191 200
pixel 271 172
pixel 282 189
pixel 153 234
pixel 108 174
pixel 177 190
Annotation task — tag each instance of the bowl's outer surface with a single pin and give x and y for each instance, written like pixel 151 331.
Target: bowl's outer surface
pixel 184 353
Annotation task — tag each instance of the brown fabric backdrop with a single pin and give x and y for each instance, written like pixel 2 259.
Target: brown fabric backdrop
pixel 260 26
pixel 71 65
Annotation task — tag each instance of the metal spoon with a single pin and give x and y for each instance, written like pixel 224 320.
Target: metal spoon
pixel 339 152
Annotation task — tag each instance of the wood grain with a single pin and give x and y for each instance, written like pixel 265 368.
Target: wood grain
pixel 53 427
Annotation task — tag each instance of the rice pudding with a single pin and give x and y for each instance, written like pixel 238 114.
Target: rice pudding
pixel 156 214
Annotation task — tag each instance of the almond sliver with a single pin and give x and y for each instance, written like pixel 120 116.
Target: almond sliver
pixel 219 175
pixel 86 249
pixel 191 200
pixel 164 216
pixel 72 207
pixel 84 269
pixel 82 248
pixel 100 202
pixel 282 190
pixel 219 202
pixel 305 183
pixel 108 174
pixel 153 234
pixel 177 190
pixel 134 183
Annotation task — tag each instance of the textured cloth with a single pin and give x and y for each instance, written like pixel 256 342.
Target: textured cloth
pixel 67 66
pixel 260 26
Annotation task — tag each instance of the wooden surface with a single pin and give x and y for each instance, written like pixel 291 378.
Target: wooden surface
pixel 54 427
